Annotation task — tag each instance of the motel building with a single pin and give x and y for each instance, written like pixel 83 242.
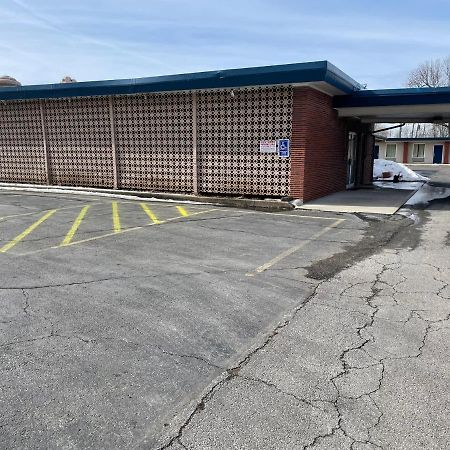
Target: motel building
pixel 297 131
pixel 414 150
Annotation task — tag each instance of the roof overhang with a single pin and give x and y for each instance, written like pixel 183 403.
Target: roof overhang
pixel 321 75
pixel 397 105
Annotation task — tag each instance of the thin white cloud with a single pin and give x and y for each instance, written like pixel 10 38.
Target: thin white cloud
pixel 59 30
pixel 113 39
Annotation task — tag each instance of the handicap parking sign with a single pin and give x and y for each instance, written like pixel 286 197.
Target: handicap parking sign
pixel 283 148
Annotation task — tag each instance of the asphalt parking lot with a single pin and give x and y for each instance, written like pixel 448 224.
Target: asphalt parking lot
pixel 117 314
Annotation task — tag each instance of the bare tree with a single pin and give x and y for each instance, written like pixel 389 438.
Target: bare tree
pixel 427 74
pixel 446 68
pixel 432 74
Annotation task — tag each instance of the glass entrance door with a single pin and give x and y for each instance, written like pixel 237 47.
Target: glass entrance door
pixel 351 159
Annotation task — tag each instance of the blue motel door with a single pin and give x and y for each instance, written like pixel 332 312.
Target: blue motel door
pixel 376 152
pixel 437 154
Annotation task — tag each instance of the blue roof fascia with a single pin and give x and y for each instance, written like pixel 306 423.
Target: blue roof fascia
pixel 231 78
pixel 341 80
pixel 394 97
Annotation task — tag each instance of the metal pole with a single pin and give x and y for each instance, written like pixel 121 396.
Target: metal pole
pixel 45 141
pixel 194 144
pixel 113 143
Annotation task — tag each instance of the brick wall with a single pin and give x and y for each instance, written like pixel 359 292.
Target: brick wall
pixel 318 146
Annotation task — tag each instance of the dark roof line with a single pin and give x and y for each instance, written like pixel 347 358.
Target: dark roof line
pixel 316 71
pixel 409 139
pixel 393 97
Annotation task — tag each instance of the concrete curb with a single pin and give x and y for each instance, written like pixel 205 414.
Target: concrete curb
pixel 244 203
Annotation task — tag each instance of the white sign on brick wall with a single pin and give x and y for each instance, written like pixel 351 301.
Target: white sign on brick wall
pixel 268 146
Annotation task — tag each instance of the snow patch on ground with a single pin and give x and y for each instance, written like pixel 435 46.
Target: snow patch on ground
pixel 407 185
pixel 410 215
pixel 296 203
pixel 427 193
pixel 395 168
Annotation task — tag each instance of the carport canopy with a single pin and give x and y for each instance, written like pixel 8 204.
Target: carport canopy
pixel 409 105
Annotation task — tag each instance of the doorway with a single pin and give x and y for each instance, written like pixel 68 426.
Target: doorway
pixel 376 152
pixel 351 159
pixel 437 154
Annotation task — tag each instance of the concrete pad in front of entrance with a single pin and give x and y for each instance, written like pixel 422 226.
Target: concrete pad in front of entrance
pixel 373 201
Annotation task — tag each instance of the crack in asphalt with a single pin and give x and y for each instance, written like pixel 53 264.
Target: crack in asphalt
pixel 51 335
pixel 346 367
pixel 56 334
pixel 233 372
pixel 414 313
pixel 180 443
pixel 377 285
pixel 280 391
pixel 114 278
pixel 363 331
pixel 26 302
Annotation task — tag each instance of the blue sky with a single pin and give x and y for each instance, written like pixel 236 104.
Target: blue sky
pixel 375 42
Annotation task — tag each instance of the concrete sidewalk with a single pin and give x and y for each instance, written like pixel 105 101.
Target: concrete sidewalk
pixel 369 201
pixel 268 204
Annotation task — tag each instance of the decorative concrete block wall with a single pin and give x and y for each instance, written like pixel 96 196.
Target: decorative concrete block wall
pixel 22 152
pixel 206 142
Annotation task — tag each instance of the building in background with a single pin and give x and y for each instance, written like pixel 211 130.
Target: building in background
pixel 414 150
pixel 6 80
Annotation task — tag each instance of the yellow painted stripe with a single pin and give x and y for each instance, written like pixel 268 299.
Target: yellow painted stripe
pixel 116 218
pixel 127 230
pixel 75 226
pixel 150 213
pixel 294 249
pixel 25 233
pixel 182 211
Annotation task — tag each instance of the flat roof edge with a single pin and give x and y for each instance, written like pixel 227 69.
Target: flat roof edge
pixel 393 97
pixel 219 79
pixel 410 139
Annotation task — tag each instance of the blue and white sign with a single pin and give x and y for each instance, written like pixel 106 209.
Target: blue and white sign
pixel 283 148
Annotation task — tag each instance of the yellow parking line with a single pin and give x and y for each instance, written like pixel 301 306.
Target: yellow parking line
pixel 182 211
pixel 94 238
pixel 294 249
pixel 25 233
pixel 75 226
pixel 40 211
pixel 116 218
pixel 150 213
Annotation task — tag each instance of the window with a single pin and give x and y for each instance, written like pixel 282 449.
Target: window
pixel 391 151
pixel 418 152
